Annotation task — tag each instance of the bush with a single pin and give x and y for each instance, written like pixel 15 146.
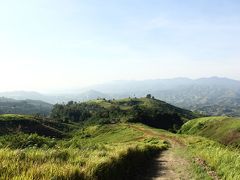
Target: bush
pixel 21 141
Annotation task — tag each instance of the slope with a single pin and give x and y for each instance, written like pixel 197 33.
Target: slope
pixel 12 124
pixel 12 106
pixel 225 130
pixel 149 111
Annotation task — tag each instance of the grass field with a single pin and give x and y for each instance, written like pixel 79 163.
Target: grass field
pixel 12 123
pixel 36 148
pixel 209 159
pixel 219 145
pixel 225 130
pixel 93 152
pixel 225 161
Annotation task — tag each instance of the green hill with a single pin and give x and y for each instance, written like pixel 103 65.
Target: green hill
pixel 112 151
pixel 225 130
pixel 12 106
pixel 12 124
pixel 149 111
pixel 96 140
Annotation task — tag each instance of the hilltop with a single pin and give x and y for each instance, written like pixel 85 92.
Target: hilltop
pixel 212 96
pixel 147 110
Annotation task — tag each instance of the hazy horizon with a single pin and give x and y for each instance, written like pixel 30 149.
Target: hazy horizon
pixel 55 45
pixel 79 89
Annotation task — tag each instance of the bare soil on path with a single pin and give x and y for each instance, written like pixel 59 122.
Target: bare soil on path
pixel 172 164
pixel 168 165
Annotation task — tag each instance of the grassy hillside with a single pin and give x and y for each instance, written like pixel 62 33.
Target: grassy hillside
pixel 210 157
pixel 105 151
pixel 149 111
pixel 225 130
pixel 94 152
pixel 13 124
pixel 98 140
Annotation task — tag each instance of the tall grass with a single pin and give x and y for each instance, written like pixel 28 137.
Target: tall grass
pixel 225 130
pixel 225 161
pixel 103 162
pixel 96 152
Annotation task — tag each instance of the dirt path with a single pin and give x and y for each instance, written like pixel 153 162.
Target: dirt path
pixel 168 165
pixel 172 163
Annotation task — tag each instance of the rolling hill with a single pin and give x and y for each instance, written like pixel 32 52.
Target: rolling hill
pixel 12 106
pixel 147 110
pixel 211 96
pixel 225 130
pixel 110 139
pixel 13 124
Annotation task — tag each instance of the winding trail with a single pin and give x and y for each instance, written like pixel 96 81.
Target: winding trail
pixel 172 164
pixel 168 165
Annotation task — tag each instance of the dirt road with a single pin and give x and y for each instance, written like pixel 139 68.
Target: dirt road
pixel 169 165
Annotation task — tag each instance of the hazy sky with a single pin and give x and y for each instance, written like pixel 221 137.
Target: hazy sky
pixel 61 44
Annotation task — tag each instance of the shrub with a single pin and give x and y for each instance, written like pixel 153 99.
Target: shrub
pixel 21 141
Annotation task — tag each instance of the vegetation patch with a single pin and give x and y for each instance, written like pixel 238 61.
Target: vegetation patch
pixel 12 124
pixel 147 110
pixel 12 106
pixel 220 159
pixel 92 152
pixel 225 130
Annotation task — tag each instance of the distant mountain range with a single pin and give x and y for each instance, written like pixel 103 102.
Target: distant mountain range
pixel 213 96
pixel 53 99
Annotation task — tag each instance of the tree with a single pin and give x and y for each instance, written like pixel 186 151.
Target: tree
pixel 149 96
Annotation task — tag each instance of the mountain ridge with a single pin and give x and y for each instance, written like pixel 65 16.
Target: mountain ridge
pixel 212 96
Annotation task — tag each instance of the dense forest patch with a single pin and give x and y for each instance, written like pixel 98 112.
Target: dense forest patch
pixel 148 110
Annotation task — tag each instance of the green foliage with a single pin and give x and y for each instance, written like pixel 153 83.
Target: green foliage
pixel 222 159
pixel 94 152
pixel 149 96
pixel 71 111
pixel 225 130
pixel 11 123
pixel 12 106
pixel 106 151
pixel 218 158
pixel 21 141
pixel 146 110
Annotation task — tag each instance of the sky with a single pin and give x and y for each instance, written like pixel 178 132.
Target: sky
pixel 47 45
